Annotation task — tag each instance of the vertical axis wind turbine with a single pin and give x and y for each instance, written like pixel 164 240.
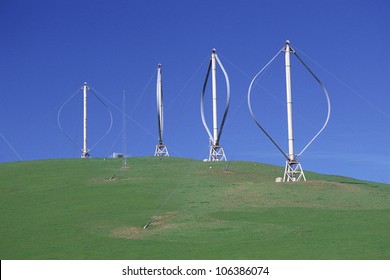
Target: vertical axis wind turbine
pixel 293 170
pixel 217 152
pixel 85 151
pixel 161 149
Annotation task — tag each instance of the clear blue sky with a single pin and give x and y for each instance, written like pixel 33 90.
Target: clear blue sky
pixel 49 48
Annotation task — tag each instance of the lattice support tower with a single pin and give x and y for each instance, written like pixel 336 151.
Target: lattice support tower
pixel 161 151
pixel 217 153
pixel 293 172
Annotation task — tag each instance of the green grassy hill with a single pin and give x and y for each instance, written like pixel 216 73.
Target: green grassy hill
pixel 70 209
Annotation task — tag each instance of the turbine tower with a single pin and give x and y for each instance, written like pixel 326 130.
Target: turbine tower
pixel 217 152
pixel 124 128
pixel 293 170
pixel 85 151
pixel 161 149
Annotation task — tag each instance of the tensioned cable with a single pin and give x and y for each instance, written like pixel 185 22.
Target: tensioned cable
pixel 128 116
pixel 111 118
pixel 115 141
pixel 143 93
pixel 12 148
pixel 172 102
pixel 227 101
pixel 59 122
pixel 250 106
pixel 227 97
pixel 327 99
pixel 346 85
pixel 202 102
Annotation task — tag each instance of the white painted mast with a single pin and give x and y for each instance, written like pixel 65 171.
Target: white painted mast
pixel 124 127
pixel 293 170
pixel 85 152
pixel 290 130
pixel 160 104
pixel 214 94
pixel 161 149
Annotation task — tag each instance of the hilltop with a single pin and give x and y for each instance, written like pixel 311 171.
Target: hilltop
pixel 96 209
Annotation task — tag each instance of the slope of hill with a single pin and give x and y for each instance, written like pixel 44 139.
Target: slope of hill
pixel 96 209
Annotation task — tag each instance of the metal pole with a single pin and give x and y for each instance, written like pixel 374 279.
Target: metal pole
pixel 214 91
pixel 160 105
pixel 291 154
pixel 124 124
pixel 85 150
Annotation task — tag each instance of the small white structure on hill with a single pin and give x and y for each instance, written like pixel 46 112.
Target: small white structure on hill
pixel 117 155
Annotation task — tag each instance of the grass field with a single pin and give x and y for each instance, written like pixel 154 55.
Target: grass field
pixel 69 209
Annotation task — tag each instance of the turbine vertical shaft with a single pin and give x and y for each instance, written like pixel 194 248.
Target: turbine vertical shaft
pixel 161 149
pixel 160 105
pixel 214 92
pixel 289 104
pixel 124 123
pixel 85 150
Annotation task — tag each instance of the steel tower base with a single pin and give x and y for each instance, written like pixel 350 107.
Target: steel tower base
pixel 161 151
pixel 217 153
pixel 85 155
pixel 293 172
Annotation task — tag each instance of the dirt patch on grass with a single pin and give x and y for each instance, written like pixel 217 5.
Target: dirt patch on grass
pixel 161 222
pixel 350 187
pixel 340 186
pixel 128 232
pixel 135 233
